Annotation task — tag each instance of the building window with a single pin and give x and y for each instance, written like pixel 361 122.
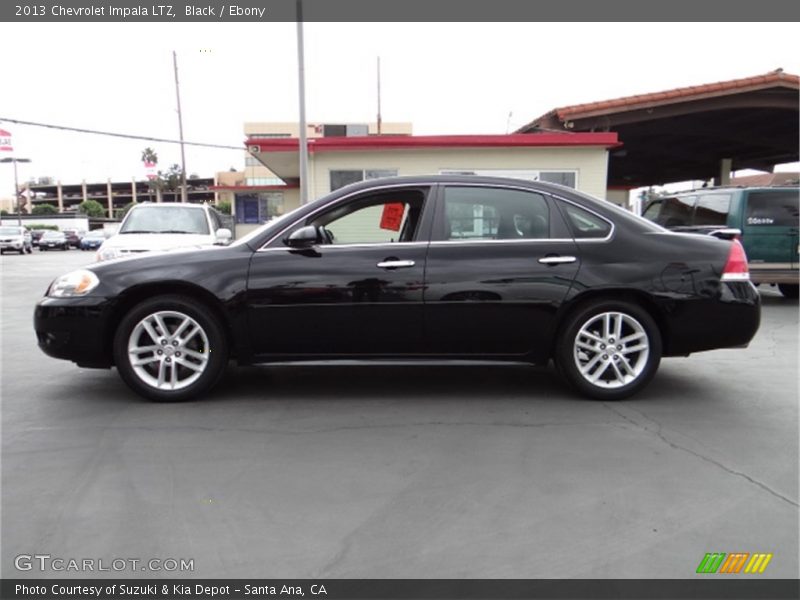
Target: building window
pixel 341 178
pixel 264 181
pixel 565 177
pixel 254 209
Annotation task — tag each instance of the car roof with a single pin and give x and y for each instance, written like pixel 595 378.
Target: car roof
pixel 734 188
pixel 169 205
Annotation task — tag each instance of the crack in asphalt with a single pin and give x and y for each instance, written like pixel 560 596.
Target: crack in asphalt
pixel 676 446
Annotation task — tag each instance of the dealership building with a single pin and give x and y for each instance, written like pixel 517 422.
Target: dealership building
pixel 352 153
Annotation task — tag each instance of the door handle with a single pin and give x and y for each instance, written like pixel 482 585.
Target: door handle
pixel 396 264
pixel 557 260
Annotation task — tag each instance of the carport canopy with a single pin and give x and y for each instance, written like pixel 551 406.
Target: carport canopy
pixel 696 132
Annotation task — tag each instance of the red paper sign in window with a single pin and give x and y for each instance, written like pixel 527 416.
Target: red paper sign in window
pixel 392 216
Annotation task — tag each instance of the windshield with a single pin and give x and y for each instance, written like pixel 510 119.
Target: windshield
pixel 10 231
pixel 165 219
pixel 53 234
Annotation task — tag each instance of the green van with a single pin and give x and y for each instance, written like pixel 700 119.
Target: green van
pixel 767 218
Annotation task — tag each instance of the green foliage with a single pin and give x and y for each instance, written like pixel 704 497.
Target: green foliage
pixel 4 213
pixel 149 155
pixel 119 213
pixel 91 208
pixel 41 226
pixel 44 209
pixel 224 207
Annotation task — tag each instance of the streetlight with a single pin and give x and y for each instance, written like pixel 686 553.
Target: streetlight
pixel 16 184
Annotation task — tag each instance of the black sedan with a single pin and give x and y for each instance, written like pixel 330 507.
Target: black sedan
pixel 438 268
pixel 51 240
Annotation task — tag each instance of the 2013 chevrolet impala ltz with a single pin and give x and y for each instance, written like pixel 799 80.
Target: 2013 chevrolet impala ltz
pixel 439 268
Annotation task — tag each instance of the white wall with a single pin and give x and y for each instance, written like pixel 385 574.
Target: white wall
pixel 79 223
pixel 590 163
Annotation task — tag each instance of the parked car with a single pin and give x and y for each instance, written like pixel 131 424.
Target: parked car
pixel 93 240
pixel 165 226
pixel 36 235
pixel 52 240
pixel 16 239
pixel 766 219
pixel 74 237
pixel 444 267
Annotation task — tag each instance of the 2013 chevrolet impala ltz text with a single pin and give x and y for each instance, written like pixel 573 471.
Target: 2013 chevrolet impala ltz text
pixel 436 268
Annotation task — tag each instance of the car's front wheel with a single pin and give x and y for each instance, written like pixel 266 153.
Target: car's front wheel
pixel 609 350
pixel 170 348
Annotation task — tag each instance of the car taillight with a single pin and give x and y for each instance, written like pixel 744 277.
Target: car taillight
pixel 736 266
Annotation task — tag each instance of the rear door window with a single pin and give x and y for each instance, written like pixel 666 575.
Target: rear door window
pixel 778 208
pixel 486 213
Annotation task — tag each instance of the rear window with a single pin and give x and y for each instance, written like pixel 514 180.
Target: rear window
pixel 778 208
pixel 712 209
pixel 676 212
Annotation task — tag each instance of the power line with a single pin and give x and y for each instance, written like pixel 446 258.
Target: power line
pixel 121 135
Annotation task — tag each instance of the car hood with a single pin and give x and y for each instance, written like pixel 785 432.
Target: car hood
pixel 144 242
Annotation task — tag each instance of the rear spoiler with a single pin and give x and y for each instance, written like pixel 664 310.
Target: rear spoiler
pixel 726 234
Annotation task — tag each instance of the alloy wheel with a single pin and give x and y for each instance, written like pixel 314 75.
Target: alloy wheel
pixel 611 350
pixel 168 350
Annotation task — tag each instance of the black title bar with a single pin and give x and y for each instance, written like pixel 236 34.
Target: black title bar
pixel 399 10
pixel 710 586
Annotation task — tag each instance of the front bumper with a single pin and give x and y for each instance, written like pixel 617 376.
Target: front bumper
pixel 12 246
pixel 76 329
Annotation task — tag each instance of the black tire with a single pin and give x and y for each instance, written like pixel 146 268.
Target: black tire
pixel 210 344
pixel 639 365
pixel 22 251
pixel 789 290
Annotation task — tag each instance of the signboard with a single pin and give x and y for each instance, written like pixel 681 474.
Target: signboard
pixel 150 170
pixel 5 141
pixel 392 216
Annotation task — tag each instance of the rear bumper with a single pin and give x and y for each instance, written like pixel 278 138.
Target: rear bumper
pixel 75 329
pixel 766 275
pixel 730 320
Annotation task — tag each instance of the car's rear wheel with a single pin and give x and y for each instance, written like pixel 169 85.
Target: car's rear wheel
pixel 170 348
pixel 789 290
pixel 609 350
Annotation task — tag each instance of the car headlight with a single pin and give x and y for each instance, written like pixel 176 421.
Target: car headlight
pixel 107 253
pixel 76 283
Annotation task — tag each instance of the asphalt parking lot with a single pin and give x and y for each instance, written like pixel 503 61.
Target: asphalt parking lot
pixel 439 471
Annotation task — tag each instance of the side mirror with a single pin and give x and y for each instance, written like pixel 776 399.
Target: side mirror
pixel 305 237
pixel 223 236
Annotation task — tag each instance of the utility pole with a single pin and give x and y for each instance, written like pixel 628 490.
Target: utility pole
pixel 301 76
pixel 16 184
pixel 379 95
pixel 180 128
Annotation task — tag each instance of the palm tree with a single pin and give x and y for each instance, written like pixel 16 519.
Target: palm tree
pixel 150 160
